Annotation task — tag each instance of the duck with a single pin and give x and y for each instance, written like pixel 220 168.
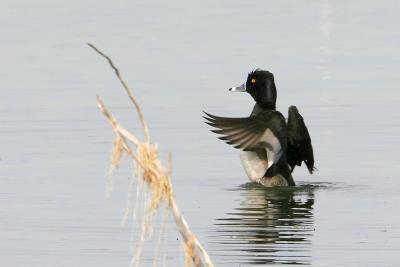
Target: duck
pixel 270 146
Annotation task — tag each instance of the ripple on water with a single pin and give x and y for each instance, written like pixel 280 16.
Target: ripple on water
pixel 270 225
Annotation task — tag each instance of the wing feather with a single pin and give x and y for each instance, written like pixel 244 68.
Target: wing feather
pixel 299 141
pixel 246 133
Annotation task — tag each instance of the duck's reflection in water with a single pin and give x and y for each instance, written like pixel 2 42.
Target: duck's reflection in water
pixel 271 226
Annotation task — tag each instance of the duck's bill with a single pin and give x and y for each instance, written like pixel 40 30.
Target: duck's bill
pixel 241 88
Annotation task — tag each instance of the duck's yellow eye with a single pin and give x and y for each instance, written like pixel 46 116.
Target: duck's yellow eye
pixel 253 81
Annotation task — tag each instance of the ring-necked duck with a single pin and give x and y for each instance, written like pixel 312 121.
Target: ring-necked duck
pixel 271 147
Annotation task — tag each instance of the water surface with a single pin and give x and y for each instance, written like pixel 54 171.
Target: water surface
pixel 338 61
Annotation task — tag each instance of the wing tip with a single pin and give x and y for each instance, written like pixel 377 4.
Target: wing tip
pixel 312 170
pixel 209 116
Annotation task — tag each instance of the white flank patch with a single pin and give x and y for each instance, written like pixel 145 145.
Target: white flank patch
pixel 274 152
pixel 254 166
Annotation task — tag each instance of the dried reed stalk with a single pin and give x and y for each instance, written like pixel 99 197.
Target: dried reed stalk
pixel 127 90
pixel 151 171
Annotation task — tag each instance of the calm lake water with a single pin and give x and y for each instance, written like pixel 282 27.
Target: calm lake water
pixel 337 61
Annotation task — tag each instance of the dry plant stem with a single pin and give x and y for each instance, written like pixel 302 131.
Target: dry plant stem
pixel 152 173
pixel 196 251
pixel 119 130
pixel 114 123
pixel 128 91
pixel 198 254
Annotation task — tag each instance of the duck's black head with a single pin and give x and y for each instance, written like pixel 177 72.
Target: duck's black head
pixel 261 86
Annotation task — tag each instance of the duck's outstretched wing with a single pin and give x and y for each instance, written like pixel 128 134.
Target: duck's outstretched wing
pixel 299 147
pixel 266 130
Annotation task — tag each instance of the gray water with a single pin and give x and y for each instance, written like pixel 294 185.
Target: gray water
pixel 338 61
